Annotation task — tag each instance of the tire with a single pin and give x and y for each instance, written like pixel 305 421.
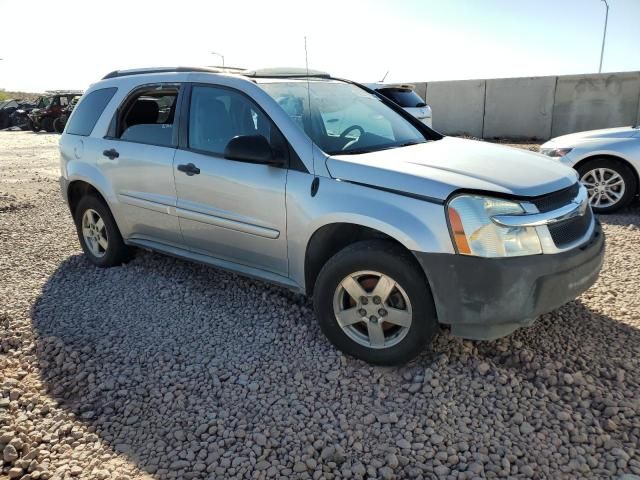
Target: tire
pixel 47 124
pixel 624 185
pixel 364 262
pixel 116 252
pixel 58 126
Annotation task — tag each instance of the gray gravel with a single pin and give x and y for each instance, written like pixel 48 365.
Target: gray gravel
pixel 165 369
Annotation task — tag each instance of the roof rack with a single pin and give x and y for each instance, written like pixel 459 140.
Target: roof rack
pixel 259 73
pixel 285 73
pixel 141 71
pixel 62 92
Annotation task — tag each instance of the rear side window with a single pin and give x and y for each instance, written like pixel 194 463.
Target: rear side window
pixel 403 96
pixel 148 116
pixel 86 114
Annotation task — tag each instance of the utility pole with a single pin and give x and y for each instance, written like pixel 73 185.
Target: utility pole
pixel 604 34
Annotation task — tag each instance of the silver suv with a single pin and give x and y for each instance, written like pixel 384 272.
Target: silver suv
pixel 322 186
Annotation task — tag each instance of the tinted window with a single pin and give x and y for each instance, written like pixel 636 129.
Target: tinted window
pixel 217 115
pixel 148 116
pixel 402 96
pixel 86 114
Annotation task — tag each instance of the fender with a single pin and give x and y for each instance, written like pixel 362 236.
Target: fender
pixel 418 225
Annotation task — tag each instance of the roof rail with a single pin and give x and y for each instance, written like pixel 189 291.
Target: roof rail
pixel 62 92
pixel 141 71
pixel 286 73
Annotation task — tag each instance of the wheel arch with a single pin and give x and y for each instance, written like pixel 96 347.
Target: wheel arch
pixel 78 189
pixel 617 158
pixel 331 238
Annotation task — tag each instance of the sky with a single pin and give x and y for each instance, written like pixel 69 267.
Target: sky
pixel 71 44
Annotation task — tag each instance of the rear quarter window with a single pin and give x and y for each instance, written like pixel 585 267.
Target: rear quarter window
pixel 404 97
pixel 86 114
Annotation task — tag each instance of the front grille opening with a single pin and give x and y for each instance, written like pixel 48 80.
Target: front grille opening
pixel 567 232
pixel 555 200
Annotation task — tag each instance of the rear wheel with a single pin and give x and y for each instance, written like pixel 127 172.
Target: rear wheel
pixel 98 233
pixel 58 125
pixel 373 302
pixel 610 183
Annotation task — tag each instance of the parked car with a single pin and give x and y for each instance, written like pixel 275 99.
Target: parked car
pixel 20 116
pixel 7 107
pixel 404 95
pixel 13 113
pixel 607 161
pixel 392 228
pixel 60 122
pixel 49 107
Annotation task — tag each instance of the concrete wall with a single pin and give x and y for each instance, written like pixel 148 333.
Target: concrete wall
pixel 459 106
pixel 587 102
pixel 519 107
pixel 534 107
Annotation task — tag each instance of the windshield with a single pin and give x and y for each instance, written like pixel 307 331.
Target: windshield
pixel 44 102
pixel 343 118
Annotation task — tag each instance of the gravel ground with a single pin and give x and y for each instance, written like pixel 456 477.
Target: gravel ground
pixel 165 369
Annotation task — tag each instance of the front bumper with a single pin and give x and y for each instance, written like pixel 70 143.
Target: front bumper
pixel 487 298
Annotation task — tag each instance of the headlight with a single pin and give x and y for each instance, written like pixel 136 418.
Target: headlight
pixel 555 152
pixel 474 233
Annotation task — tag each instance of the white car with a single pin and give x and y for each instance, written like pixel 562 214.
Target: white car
pixel 608 162
pixel 404 95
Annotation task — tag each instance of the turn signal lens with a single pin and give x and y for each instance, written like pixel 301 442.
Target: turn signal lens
pixel 459 237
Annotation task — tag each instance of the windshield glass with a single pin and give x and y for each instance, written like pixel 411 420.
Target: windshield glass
pixel 343 118
pixel 44 102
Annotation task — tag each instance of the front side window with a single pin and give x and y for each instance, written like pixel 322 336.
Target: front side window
pixel 148 116
pixel 342 118
pixel 89 109
pixel 216 115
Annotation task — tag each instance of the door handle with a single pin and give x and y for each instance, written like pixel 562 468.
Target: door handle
pixel 190 169
pixel 111 154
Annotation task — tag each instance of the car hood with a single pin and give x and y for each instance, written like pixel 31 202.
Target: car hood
pixel 593 135
pixel 438 168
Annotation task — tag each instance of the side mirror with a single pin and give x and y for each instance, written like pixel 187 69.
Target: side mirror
pixel 251 148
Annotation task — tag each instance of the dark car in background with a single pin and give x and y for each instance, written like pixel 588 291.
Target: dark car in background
pixel 49 107
pixel 13 113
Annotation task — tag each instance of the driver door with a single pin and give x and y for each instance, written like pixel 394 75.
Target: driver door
pixel 229 209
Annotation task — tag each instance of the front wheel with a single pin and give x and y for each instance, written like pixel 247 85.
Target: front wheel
pixel 47 124
pixel 373 302
pixel 98 233
pixel 610 183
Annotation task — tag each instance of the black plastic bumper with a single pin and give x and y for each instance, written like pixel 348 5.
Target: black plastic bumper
pixel 486 298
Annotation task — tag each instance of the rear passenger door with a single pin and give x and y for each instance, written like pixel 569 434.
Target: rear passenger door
pixel 138 161
pixel 230 209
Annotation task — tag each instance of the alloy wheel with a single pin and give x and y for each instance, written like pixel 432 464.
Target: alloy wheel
pixel 372 309
pixel 605 187
pixel 94 233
